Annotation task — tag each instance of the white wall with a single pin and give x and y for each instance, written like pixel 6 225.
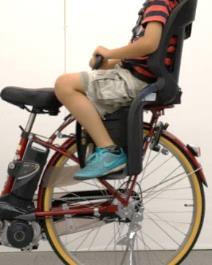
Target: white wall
pixel 32 55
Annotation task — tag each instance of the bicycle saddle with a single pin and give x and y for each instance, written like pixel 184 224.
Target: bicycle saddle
pixel 42 100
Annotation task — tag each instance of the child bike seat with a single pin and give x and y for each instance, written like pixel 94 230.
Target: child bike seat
pixel 179 27
pixel 161 94
pixel 42 100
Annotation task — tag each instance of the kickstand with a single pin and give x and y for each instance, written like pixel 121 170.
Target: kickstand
pixel 130 250
pixel 129 257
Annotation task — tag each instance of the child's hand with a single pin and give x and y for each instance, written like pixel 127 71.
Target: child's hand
pixel 92 62
pixel 104 52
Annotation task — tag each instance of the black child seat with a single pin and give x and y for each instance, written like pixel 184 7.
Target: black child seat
pixel 165 89
pixel 126 125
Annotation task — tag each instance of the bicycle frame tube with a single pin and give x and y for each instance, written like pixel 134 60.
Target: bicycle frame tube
pixel 78 211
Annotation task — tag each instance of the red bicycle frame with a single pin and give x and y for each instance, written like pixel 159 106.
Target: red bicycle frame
pixel 86 209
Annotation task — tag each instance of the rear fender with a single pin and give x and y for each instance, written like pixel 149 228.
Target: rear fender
pixel 188 153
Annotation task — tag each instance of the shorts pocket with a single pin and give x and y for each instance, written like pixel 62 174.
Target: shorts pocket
pixel 110 88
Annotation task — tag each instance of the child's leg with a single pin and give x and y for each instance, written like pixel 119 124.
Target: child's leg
pixel 70 92
pixel 107 157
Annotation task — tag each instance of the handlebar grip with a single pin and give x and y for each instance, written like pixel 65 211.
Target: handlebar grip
pixel 99 61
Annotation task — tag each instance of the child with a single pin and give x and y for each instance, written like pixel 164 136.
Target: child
pixel 90 95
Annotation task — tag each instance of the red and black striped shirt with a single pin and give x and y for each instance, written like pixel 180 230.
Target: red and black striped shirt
pixel 152 11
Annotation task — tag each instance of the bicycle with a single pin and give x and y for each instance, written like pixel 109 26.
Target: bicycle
pixel 131 217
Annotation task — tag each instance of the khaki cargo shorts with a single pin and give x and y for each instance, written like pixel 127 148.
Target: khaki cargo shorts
pixel 111 89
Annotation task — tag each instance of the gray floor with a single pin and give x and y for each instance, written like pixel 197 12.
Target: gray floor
pixel 48 258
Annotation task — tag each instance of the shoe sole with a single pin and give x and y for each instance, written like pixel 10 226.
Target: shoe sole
pixel 117 169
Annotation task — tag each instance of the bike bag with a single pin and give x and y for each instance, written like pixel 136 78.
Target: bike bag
pixel 27 172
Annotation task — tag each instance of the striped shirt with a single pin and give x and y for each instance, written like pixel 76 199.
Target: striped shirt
pixel 152 11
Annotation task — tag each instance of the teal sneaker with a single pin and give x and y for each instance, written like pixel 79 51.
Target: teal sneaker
pixel 102 162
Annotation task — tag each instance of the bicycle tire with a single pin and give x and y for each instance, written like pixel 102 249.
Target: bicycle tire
pixel 192 230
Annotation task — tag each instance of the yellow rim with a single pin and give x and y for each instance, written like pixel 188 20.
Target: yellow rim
pixel 49 223
pixel 198 200
pixel 197 214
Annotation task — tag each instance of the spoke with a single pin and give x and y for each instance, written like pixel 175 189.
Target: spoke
pixel 119 232
pixel 147 164
pixel 157 193
pixel 153 190
pixel 148 161
pixel 94 237
pixel 154 170
pixel 91 184
pixel 146 247
pixel 164 231
pixel 169 185
pixel 170 212
pixel 83 240
pixel 174 199
pixel 85 234
pixel 168 222
pixel 149 250
pixel 183 188
pixel 76 238
pixel 166 179
pixel 153 240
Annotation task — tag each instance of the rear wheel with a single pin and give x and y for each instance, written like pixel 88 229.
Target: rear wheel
pixel 159 227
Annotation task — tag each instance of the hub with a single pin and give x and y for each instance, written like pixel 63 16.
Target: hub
pixel 134 208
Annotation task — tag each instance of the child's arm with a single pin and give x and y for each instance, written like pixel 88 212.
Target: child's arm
pixel 143 46
pixel 107 64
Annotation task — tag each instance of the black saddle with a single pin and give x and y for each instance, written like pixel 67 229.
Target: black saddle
pixel 42 100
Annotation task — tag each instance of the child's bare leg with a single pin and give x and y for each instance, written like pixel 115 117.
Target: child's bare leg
pixel 69 91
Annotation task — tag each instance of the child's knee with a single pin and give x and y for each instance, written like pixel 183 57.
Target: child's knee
pixel 63 86
pixel 67 84
pixel 60 83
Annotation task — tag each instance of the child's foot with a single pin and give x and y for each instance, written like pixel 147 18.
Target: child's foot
pixel 101 163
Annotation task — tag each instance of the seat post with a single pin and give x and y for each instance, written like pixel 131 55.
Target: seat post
pixel 30 122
